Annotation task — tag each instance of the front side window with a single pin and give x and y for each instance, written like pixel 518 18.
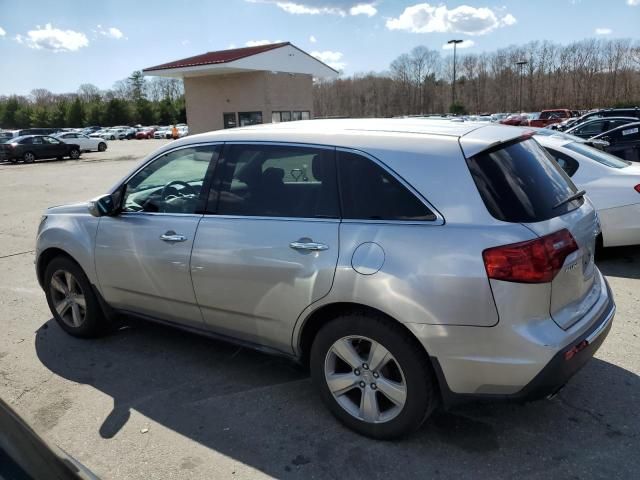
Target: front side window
pixel 277 181
pixel 172 183
pixel 50 140
pixel 369 192
pixel 249 118
pixel 592 128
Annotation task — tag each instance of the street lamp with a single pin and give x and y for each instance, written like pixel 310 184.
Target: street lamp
pixel 453 84
pixel 521 64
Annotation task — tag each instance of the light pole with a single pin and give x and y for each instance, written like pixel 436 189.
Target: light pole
pixel 521 64
pixel 453 84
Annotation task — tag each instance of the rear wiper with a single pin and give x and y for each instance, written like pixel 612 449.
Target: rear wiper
pixel 570 198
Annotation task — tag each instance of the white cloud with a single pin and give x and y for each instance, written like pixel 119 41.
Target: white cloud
pixel 50 38
pixel 2 32
pixel 185 42
pixel 363 9
pixel 257 43
pixel 312 39
pixel 633 3
pixel 333 59
pixel 603 31
pixel 323 7
pixel 111 32
pixel 464 44
pixel 425 18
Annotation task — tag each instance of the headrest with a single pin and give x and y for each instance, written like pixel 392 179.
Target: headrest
pixel 273 174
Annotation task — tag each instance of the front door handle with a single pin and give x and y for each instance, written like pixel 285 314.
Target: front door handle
pixel 308 245
pixel 172 236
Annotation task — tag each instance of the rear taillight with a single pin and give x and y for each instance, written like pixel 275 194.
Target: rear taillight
pixel 534 261
pixel 637 188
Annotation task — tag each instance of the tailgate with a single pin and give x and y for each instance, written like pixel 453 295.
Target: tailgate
pixel 573 289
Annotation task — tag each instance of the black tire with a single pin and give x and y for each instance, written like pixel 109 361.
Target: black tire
pixel 74 154
pixel 102 147
pixel 94 323
pixel 59 157
pixel 28 157
pixel 421 386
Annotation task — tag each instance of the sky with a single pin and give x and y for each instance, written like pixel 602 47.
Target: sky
pixel 74 42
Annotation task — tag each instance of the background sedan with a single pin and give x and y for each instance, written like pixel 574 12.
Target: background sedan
pixel 86 143
pixel 613 186
pixel 31 147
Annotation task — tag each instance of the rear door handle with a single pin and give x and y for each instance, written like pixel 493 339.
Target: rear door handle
pixel 310 246
pixel 172 236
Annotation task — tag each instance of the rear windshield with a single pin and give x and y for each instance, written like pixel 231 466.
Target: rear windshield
pixel 520 183
pixel 597 155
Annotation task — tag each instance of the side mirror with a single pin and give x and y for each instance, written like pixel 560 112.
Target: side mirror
pixel 104 205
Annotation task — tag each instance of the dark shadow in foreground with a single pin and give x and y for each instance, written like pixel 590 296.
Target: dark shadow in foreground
pixel 262 411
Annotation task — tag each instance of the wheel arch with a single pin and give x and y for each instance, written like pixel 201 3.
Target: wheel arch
pixel 45 258
pixel 316 319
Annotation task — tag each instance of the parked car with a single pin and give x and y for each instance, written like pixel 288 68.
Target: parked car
pixel 162 132
pixel 29 148
pixel 596 126
pixel 505 301
pixel 612 184
pixel 599 144
pixel 86 143
pixel 516 120
pixel 601 113
pixel 624 141
pixel 6 135
pixel 549 117
pixel 145 133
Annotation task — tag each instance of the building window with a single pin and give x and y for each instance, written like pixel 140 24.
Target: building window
pixel 229 120
pixel 286 116
pixel 276 117
pixel 305 115
pixel 249 118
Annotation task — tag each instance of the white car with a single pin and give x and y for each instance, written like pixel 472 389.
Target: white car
pixel 612 184
pixel 86 143
pixel 161 133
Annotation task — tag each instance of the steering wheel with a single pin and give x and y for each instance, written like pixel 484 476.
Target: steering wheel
pixel 169 190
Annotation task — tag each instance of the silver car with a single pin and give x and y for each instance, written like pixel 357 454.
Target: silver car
pixel 408 263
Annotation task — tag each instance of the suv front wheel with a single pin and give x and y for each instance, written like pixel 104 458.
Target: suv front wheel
pixel 71 299
pixel 372 375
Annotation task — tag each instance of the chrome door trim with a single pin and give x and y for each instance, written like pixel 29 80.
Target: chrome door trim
pixel 285 219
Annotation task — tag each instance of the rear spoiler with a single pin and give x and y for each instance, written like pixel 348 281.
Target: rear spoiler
pixel 491 136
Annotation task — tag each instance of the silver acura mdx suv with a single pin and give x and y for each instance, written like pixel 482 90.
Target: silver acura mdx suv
pixel 408 263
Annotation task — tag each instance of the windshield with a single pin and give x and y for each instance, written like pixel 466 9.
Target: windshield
pixel 597 155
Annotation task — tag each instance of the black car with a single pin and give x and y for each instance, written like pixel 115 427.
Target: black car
pixel 28 148
pixel 602 113
pixel 624 141
pixel 596 126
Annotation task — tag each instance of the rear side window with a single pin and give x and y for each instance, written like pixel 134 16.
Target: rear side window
pixel 518 182
pixel 568 164
pixel 368 192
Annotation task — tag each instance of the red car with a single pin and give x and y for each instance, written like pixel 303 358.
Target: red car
pixel 517 120
pixel 549 117
pixel 145 133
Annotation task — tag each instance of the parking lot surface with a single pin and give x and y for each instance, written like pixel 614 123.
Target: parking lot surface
pixel 151 402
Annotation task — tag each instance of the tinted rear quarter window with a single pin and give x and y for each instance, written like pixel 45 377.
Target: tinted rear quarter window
pixel 519 182
pixel 369 192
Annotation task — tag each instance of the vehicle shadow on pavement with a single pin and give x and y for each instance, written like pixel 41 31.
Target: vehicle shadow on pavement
pixel 620 262
pixel 263 412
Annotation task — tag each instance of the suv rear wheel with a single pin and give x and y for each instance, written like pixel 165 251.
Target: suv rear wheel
pixel 372 375
pixel 71 299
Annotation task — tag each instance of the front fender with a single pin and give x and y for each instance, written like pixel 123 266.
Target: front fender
pixel 73 234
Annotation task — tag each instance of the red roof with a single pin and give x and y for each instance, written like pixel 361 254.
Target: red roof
pixel 221 56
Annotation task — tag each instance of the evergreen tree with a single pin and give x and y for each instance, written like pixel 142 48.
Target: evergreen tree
pixel 75 114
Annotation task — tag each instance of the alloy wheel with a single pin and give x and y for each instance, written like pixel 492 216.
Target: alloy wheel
pixel 29 157
pixel 365 379
pixel 68 298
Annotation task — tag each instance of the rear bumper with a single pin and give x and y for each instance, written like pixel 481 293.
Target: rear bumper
pixel 555 374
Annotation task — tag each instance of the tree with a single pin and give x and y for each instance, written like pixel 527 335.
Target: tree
pixel 75 113
pixel 166 112
pixel 137 86
pixel 11 108
pixel 117 112
pixel 59 114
